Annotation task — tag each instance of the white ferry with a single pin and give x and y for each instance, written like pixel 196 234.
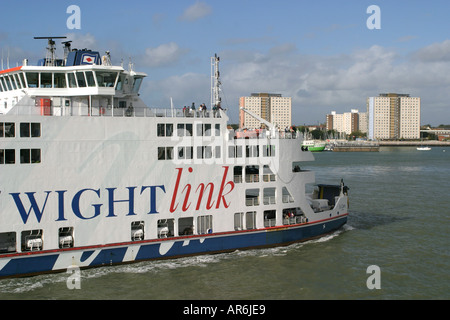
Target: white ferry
pixel 91 176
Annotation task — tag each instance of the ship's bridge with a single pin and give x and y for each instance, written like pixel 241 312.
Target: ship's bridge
pixel 82 83
pixel 83 79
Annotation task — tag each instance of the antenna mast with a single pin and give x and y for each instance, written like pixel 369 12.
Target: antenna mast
pixel 215 81
pixel 50 59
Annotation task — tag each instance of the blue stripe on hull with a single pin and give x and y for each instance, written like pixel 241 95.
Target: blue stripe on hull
pixel 178 247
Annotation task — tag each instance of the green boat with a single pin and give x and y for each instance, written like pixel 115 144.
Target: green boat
pixel 313 145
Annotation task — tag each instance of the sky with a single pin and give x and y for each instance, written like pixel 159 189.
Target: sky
pixel 321 53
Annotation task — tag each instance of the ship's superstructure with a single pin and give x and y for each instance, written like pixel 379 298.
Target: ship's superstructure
pixel 89 175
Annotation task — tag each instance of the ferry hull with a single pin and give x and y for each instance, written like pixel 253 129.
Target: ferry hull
pixel 61 260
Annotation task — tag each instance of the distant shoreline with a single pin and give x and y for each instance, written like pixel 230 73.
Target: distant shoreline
pixel 430 143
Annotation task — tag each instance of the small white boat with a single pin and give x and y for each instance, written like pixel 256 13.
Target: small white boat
pixel 424 148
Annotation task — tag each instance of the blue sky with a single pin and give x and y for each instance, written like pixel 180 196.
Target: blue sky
pixel 320 53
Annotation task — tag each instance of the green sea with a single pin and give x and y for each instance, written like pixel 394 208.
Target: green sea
pixel 395 246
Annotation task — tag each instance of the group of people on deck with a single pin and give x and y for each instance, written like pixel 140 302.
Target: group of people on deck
pixel 201 111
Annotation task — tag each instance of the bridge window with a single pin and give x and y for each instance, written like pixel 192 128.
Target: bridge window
pixel 32 79
pixel 60 80
pixel 81 80
pixel 22 79
pixel 106 79
pixel 90 79
pixel 72 80
pixel 46 80
pixel 8 83
pixel 16 81
pixel 137 84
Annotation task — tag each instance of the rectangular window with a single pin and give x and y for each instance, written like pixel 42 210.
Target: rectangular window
pixel 250 220
pixel 35 129
pixel 231 152
pixel 207 129
pixel 251 173
pixel 30 155
pixel 137 84
pixel 7 129
pixel 204 152
pixel 137 230
pixel 46 80
pixel 60 80
pixel 269 218
pixel 160 129
pixel 252 197
pixel 185 226
pixel 165 153
pixel 204 224
pixel 35 155
pixel 90 79
pixel 106 79
pixel 32 79
pixel 65 237
pixel 81 80
pixel 8 82
pixel 199 129
pixel 25 130
pixel 32 240
pixel 30 130
pixel 217 129
pixel 217 152
pixel 16 79
pixel 72 80
pixel 10 156
pixel 269 196
pixel 7 242
pixel 185 152
pixel 237 174
pixel 269 151
pixel 161 153
pixel 25 156
pixel 22 79
pixel 166 228
pixel 239 221
pixel 164 129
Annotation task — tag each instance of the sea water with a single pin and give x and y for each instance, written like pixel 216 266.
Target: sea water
pixel 399 222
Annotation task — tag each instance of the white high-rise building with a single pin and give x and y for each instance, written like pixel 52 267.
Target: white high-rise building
pixel 271 107
pixel 347 122
pixel 393 116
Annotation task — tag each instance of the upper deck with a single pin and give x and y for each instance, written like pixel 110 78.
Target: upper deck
pixel 78 78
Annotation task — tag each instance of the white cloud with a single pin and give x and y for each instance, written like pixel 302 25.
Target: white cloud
pixel 320 84
pixel 434 52
pixel 82 41
pixel 183 89
pixel 196 11
pixel 317 84
pixel 163 55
